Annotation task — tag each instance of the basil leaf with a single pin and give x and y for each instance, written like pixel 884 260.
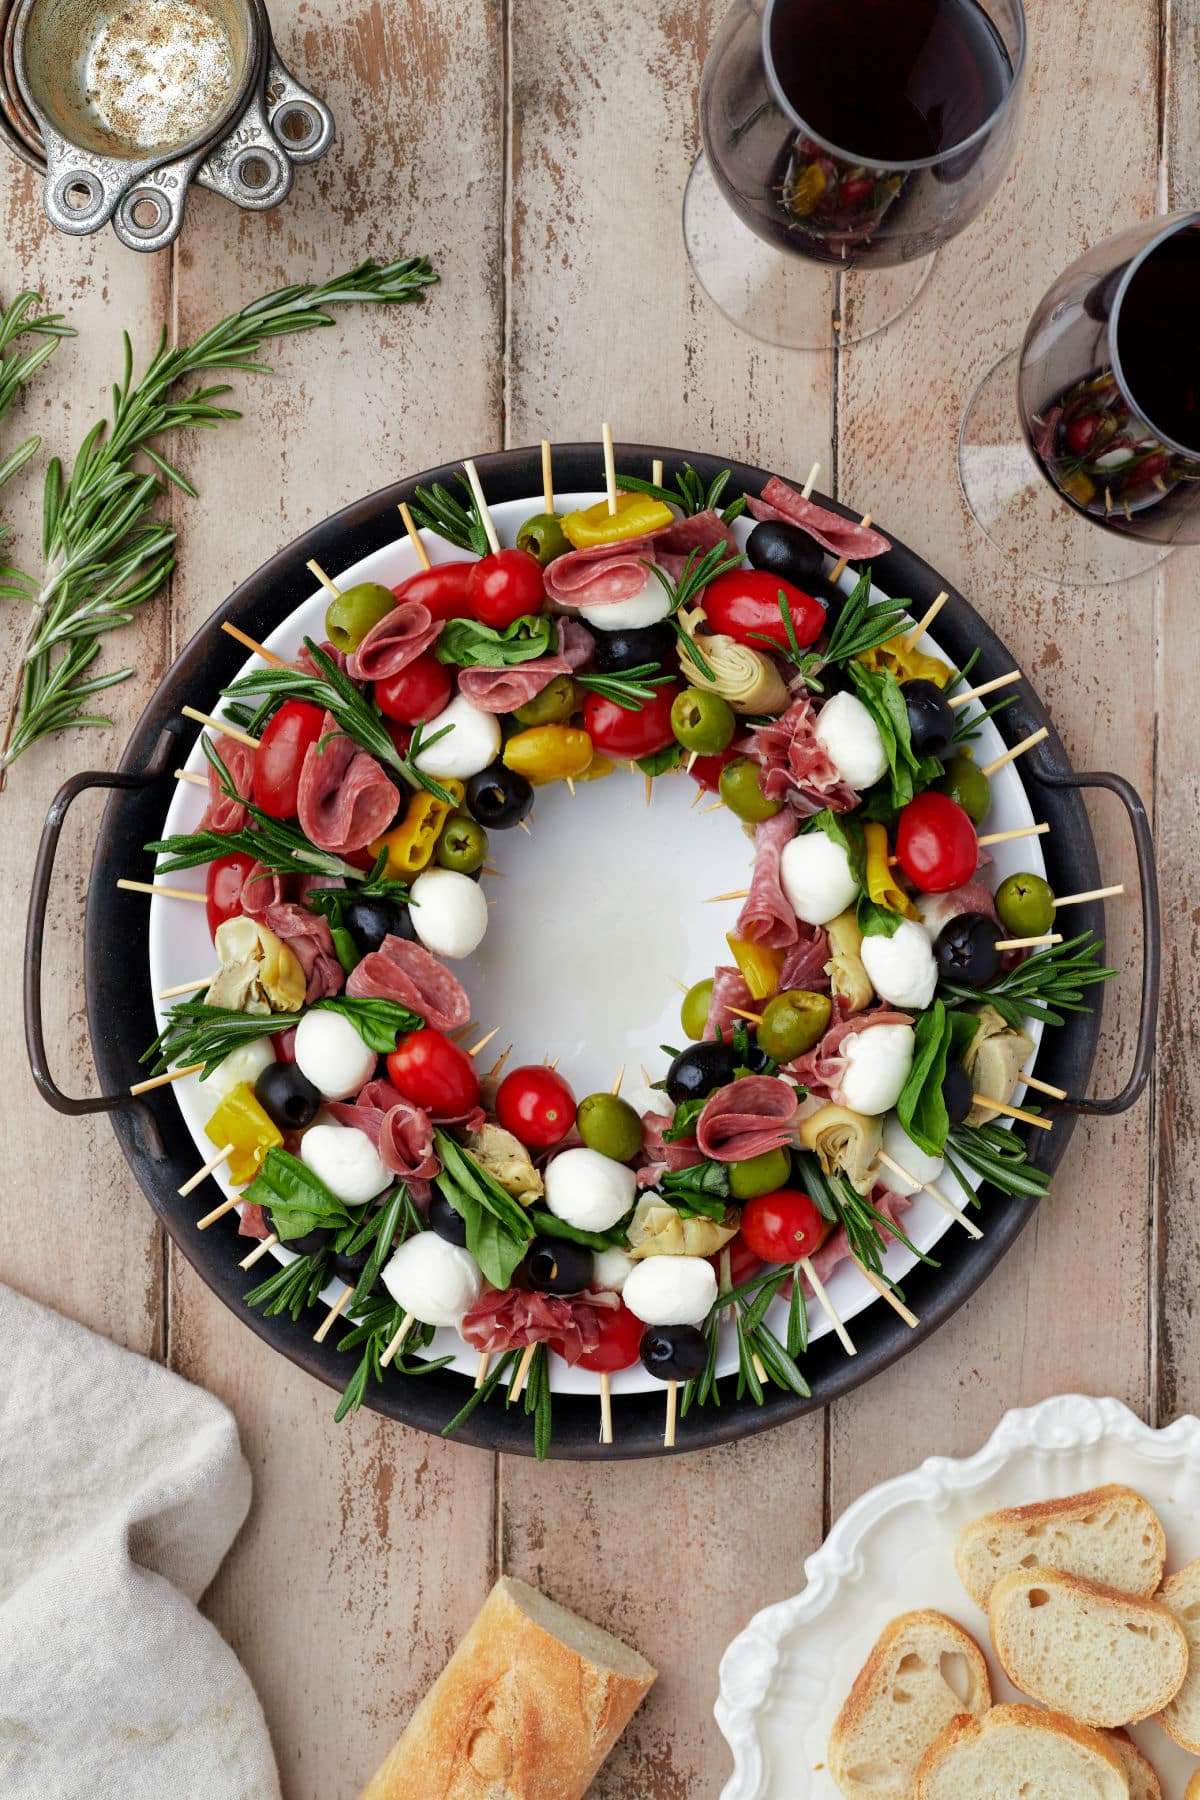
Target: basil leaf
pixel 550 1226
pixel 883 697
pixel 702 1191
pixel 686 1114
pixel 847 832
pixel 498 1229
pixel 472 645
pixel 379 1023
pixel 875 920
pixel 921 1108
pixel 496 1251
pixel 299 1201
pixel 669 757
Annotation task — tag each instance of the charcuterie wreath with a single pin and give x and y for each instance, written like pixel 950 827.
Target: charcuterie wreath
pixel 861 1054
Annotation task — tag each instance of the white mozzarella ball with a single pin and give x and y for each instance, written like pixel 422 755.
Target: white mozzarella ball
pixel 472 742
pixel 246 1063
pixel 449 912
pixel 332 1055
pixel 346 1161
pixel 611 1269
pixel 648 607
pixel 878 1062
pixel 908 1156
pixel 902 968
pixel 434 1281
pixel 817 878
pixel 851 736
pixel 587 1190
pixel 671 1290
pixel 646 1099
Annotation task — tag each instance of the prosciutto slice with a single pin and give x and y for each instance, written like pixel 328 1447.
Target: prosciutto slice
pixel 748 1118
pixel 345 800
pixel 514 1319
pixel 821 1070
pixel 767 917
pixel 663 1158
pixel 937 910
pixel 729 989
pixel 503 690
pixel 836 1248
pixel 407 973
pixel 796 766
pixel 223 813
pixel 399 638
pixel 804 964
pixel 406 1142
pixel 304 663
pixel 368 1109
pixel 253 1222
pixel 841 537
pixel 309 938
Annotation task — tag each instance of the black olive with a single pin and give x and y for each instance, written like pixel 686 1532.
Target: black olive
pixel 674 1352
pixel 286 1096
pixel 348 1267
pixel 557 1266
pixel 628 649
pixel 445 1221
pixel 966 950
pixel 786 551
pixel 956 1093
pixel 310 1243
pixel 699 1070
pixel 498 797
pixel 370 921
pixel 931 723
pixel 755 1060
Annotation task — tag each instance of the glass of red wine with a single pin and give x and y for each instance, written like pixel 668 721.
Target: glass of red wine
pixel 1079 454
pixel 844 141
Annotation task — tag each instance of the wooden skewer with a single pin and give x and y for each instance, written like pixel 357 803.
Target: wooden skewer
pixel 681 985
pixel 192 780
pixel 708 809
pixel 249 643
pixel 547 476
pixel 222 725
pixel 690 762
pixel 499 873
pixel 725 1281
pixel 489 525
pixel 839 567
pixel 553 1064
pixel 406 1325
pixel 522 1375
pixel 644 1072
pixel 1009 837
pixel 499 1063
pixel 1108 893
pixel 606 1430
pixel 616 1086
pixel 697 797
pixel 331 587
pixel 335 1312
pixel 524 824
pixel 166 893
pixel 259 1251
pixel 610 467
pixel 218 1212
pixel 157 1081
pixel 927 1187
pixel 1029 943
pixel 988 687
pixel 1035 737
pixel 656 471
pixel 810 484
pixel 481 1367
pixel 414 536
pixel 754 1018
pixel 827 1306
pixel 1013 1112
pixel 734 894
pixel 570 779
pixel 922 626
pixel 484 1041
pixel 881 1287
pixel 757 1363
pixel 1044 1087
pixel 186 987
pixel 669 1429
pixel 203 1173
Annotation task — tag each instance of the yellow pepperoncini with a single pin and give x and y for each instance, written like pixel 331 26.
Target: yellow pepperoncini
pixel 239 1120
pixel 760 965
pixel 598 768
pixel 548 753
pixel 636 516
pixel 409 845
pixel 882 886
pixel 905 664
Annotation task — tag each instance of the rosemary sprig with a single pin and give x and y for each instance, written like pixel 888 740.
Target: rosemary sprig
pixel 756 1342
pixel 631 688
pixel 198 1033
pixel 104 553
pixel 294 1287
pixel 860 626
pixel 1046 985
pixel 16 369
pixel 375 1327
pixel 689 493
pixel 436 509
pixel 997 1154
pixel 694 577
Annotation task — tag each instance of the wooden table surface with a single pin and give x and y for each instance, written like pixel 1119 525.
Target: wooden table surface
pixel 537 150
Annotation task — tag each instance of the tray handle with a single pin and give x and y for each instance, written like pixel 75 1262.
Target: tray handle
pixel 43 871
pixel 1143 843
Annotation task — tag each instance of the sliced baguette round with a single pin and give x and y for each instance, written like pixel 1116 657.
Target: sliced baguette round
pixel 1139 1772
pixel 1102 1657
pixel 1016 1752
pixel 1181 1717
pixel 1109 1534
pixel 924 1671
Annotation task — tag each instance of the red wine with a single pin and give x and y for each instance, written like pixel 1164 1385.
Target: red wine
pixel 1157 342
pixel 890 81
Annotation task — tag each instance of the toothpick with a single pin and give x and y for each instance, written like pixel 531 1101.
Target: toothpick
pixel 554 1064
pixel 927 1187
pixel 406 1325
pixel 645 1074
pixel 335 1312
pixel 610 467
pixel 203 1173
pixel 1013 1112
pixel 487 869
pixel 839 567
pixel 260 1250
pixel 708 809
pixel 547 477
pixel 827 1306
pixel 1008 837
pixel 1029 943
pixel 222 725
pixel 165 893
pixel 522 1375
pixel 192 780
pixel 186 987
pixel 498 1064
pixel 725 1281
pixel 218 1212
pixel 1035 737
pixel 810 484
pixel 331 587
pixel 734 894
pixel 988 687
pixel 481 1367
pixel 690 763
pixel 157 1081
pixel 616 1086
pixel 754 1018
pixel 669 1431
pixel 414 536
pixel 524 824
pixel 656 471
pixel 488 522
pixel 1044 1087
pixel 1108 893
pixel 570 780
pixel 649 788
pixel 606 1430
pixel 922 626
pixel 881 1287
pixel 697 797
pixel 484 1042
pixel 249 643
pixel 681 985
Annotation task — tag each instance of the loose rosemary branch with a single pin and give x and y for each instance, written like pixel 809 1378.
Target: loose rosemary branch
pixel 104 553
pixel 17 369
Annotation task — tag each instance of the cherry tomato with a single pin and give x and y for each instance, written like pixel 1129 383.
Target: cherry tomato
pixel 285 1045
pixel 743 1263
pixel 401 735
pixel 1080 433
pixel 936 844
pixel 782 1227
pixel 706 770
pixel 416 693
pixel 744 604
pixel 619 732
pixel 505 587
pixel 620 1341
pixel 856 192
pixel 442 589
pixel 281 752
pixel 536 1105
pixel 432 1071
pixel 223 886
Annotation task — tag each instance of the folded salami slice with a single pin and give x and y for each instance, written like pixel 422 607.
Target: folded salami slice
pixel 306 666
pixel 309 938
pixel 503 690
pixel 407 973
pixel 748 1118
pixel 702 532
pixel 601 576
pixel 821 1070
pixel 262 889
pixel 841 537
pixel 767 917
pixel 729 989
pixel 223 814
pixel 345 800
pixel 804 964
pixel 399 638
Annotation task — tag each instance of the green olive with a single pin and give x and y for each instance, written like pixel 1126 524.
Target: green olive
pixel 740 790
pixel 793 1023
pixel 555 704
pixel 463 845
pixel 543 537
pixel 760 1174
pixel 702 721
pixel 609 1124
pixel 349 618
pixel 968 785
pixel 1026 905
pixel 693 1014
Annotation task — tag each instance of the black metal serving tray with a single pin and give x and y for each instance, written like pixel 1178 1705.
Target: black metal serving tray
pixel 160 1149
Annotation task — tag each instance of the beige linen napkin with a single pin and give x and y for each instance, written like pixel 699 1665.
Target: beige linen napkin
pixel 121 1488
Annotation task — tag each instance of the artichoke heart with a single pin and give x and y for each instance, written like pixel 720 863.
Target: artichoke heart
pixel 258 973
pixel 846 1143
pixel 506 1158
pixel 848 978
pixel 656 1229
pixel 994 1060
pixel 746 678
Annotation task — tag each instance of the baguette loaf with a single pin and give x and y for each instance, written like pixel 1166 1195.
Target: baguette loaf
pixel 1109 1534
pixel 1181 1718
pixel 1017 1751
pixel 923 1672
pixel 527 1708
pixel 1143 1782
pixel 1102 1657
pixel 1192 1791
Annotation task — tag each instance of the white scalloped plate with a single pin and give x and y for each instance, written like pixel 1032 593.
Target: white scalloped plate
pixel 784 1678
